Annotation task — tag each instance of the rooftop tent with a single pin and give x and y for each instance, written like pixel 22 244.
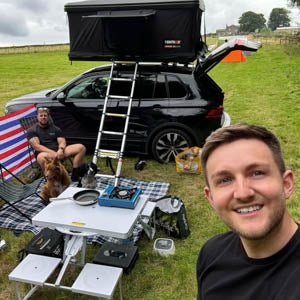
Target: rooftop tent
pixel 145 30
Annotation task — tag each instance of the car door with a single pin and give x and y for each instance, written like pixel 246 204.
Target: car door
pixel 83 104
pixel 150 105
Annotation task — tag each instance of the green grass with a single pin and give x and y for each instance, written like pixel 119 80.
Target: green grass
pixel 265 90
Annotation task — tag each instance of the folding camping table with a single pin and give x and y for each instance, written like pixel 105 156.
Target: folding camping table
pixel 82 221
pixel 78 222
pixel 95 219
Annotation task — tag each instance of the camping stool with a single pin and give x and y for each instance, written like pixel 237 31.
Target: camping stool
pixel 148 213
pixel 33 269
pixel 98 280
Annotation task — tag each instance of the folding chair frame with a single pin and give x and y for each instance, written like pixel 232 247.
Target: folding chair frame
pixel 24 194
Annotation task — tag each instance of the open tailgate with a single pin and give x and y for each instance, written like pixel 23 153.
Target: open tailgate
pixel 206 64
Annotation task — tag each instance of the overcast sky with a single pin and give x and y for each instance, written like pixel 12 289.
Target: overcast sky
pixel 37 22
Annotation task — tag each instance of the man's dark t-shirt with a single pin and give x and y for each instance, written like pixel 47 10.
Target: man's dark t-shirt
pixel 47 136
pixel 224 271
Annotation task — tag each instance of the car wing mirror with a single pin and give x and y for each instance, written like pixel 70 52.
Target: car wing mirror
pixel 61 97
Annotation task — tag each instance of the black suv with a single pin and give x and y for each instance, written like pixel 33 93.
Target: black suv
pixel 174 106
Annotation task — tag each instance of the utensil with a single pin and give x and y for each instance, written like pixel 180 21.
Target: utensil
pixel 60 198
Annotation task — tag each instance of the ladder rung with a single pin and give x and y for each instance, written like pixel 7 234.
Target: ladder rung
pixel 113 132
pixel 106 175
pixel 108 153
pixel 121 79
pixel 115 115
pixel 119 97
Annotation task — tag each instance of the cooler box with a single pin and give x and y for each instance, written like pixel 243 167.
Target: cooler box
pixel 135 30
pixel 122 256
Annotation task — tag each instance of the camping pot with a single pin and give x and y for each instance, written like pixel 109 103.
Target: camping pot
pixel 84 197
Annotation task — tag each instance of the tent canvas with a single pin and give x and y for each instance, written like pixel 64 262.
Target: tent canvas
pixel 152 30
pixel 235 56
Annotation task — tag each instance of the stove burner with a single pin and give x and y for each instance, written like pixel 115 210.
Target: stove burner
pixel 120 193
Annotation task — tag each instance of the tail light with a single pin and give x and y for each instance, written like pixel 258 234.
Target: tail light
pixel 215 112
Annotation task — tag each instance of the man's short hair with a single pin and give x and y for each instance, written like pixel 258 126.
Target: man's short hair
pixel 239 131
pixel 43 109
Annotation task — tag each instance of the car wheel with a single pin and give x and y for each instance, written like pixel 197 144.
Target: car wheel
pixel 168 143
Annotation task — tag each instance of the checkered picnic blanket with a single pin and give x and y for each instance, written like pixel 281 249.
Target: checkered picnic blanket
pixel 10 219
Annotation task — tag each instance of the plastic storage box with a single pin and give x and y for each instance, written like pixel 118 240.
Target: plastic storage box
pixel 122 256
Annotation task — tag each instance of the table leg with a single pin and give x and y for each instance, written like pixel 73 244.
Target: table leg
pixel 17 290
pixel 83 251
pixel 120 285
pixel 67 238
pixel 62 271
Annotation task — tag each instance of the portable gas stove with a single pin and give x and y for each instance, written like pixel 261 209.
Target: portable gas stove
pixel 119 196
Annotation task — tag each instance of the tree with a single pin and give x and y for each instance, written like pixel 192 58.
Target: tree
pixel 251 22
pixel 279 17
pixel 294 2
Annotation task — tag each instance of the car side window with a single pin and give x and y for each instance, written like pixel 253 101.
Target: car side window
pixel 144 87
pixel 92 88
pixel 160 87
pixel 150 87
pixel 121 88
pixel 176 87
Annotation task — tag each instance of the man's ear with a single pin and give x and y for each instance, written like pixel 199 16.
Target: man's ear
pixel 288 183
pixel 209 196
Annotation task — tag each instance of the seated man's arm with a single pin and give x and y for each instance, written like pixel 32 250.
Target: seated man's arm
pixel 61 141
pixel 38 147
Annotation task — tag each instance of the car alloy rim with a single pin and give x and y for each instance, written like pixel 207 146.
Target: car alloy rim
pixel 169 145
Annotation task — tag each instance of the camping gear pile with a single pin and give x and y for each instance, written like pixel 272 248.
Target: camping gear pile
pixel 189 161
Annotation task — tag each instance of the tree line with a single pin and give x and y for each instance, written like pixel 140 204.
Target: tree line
pixel 255 22
pixel 279 17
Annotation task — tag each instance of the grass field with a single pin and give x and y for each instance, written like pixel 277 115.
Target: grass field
pixel 265 90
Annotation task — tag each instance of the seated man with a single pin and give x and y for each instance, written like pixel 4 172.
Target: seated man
pixel 247 184
pixel 48 141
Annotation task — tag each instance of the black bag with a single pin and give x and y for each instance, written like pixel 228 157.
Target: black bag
pixel 47 242
pixel 170 215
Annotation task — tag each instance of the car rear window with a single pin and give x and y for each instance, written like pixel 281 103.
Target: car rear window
pixel 176 87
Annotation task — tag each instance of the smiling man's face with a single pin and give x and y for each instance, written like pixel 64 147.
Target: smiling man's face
pixel 246 188
pixel 43 118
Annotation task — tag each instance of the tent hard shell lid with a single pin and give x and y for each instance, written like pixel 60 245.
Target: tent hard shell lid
pixel 140 30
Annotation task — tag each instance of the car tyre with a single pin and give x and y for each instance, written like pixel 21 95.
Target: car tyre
pixel 168 143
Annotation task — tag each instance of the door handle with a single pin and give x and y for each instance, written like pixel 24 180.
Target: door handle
pixel 156 107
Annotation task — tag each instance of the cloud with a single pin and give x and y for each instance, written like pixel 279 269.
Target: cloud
pixel 29 22
pixel 35 6
pixel 13 24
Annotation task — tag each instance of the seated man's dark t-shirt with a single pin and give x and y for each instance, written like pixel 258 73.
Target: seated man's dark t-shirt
pixel 47 135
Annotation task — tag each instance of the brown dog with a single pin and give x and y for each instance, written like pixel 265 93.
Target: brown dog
pixel 57 179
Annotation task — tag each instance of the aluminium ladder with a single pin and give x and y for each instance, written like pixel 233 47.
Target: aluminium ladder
pixel 113 154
